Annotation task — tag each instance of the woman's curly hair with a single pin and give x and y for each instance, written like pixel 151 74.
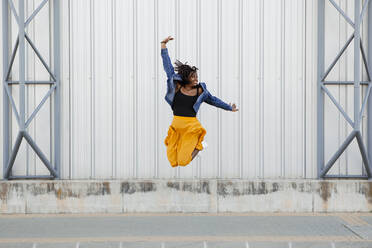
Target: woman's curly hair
pixel 184 71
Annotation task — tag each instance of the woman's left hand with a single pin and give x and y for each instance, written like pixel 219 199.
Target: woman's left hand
pixel 233 106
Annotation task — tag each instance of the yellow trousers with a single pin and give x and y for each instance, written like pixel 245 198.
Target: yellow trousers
pixel 184 135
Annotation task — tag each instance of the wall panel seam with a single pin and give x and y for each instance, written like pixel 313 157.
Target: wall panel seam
pixel 282 123
pixel 304 26
pixel 156 91
pixel 92 90
pixel 240 89
pixel 114 88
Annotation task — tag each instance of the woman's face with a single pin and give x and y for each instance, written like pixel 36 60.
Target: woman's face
pixel 193 79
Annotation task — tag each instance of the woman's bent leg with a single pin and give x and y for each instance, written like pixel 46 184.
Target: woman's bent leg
pixel 186 148
pixel 171 142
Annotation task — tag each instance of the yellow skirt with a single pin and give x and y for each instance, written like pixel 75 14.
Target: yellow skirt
pixel 184 135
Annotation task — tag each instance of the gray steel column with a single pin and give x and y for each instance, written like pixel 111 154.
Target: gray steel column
pixel 8 98
pixel 6 130
pixel 57 92
pixel 369 128
pixel 358 49
pixel 21 47
pixel 320 93
pixel 357 65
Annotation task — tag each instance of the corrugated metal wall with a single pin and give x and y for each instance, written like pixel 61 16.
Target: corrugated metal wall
pixel 259 54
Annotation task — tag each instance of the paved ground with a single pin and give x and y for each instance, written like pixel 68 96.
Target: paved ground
pixel 187 230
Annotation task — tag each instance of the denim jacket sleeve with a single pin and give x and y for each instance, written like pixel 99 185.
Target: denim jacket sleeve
pixel 215 101
pixel 167 64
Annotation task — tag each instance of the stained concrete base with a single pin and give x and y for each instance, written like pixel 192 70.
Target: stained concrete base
pixel 189 196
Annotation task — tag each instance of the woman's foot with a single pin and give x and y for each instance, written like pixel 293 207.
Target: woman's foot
pixel 194 153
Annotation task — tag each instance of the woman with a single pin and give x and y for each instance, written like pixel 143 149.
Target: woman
pixel 185 94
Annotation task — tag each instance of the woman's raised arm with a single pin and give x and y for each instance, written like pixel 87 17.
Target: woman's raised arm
pixel 167 64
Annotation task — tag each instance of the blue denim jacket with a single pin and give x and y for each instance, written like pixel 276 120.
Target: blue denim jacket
pixel 171 89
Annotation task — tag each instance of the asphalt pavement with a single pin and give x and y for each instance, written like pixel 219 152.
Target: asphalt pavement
pixel 250 230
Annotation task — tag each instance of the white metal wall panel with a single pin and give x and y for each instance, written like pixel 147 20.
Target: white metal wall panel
pixel 65 90
pixel 209 116
pixel 250 86
pixel 271 92
pixel 124 92
pixel 145 88
pixel 262 55
pixel 229 87
pixel 310 114
pixel 293 89
pixel 166 25
pixel 102 83
pixel 82 93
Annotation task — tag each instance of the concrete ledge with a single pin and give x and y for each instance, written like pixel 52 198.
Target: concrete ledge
pixel 190 196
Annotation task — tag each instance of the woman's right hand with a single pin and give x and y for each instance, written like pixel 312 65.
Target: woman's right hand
pixel 165 41
pixel 233 106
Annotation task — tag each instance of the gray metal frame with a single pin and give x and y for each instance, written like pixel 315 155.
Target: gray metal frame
pixel 369 125
pixel 8 100
pixel 358 112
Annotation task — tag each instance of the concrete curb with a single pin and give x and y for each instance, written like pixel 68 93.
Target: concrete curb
pixel 188 196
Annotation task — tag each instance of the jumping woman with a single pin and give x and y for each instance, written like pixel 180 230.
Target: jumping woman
pixel 184 95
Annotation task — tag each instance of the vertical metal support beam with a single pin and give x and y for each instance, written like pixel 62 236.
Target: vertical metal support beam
pixel 369 119
pixel 21 37
pixel 57 92
pixel 357 65
pixel 320 93
pixel 357 76
pixel 6 131
pixel 21 117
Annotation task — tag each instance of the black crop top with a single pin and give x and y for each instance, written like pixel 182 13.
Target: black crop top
pixel 183 105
